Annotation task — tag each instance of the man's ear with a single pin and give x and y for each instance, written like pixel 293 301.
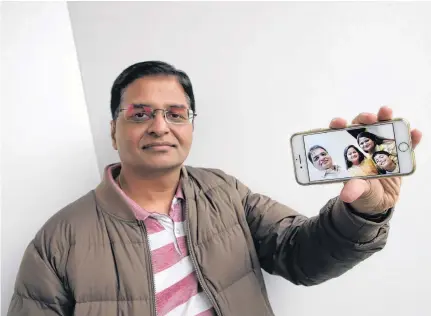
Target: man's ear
pixel 113 132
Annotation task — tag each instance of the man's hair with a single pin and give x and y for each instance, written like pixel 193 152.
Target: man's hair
pixel 145 69
pixel 314 148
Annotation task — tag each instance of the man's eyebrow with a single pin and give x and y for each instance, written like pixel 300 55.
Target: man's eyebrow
pixel 140 104
pixel 177 105
pixel 168 105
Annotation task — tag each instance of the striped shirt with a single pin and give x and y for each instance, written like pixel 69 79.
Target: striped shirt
pixel 177 289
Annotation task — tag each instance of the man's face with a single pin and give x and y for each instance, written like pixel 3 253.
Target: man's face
pixel 138 144
pixel 321 159
pixel 383 161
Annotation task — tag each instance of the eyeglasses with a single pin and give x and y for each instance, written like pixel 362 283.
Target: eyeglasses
pixel 140 113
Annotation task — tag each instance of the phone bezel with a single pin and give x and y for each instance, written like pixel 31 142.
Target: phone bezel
pixel 406 159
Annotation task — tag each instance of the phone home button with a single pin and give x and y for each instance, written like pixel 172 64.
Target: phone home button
pixel 403 147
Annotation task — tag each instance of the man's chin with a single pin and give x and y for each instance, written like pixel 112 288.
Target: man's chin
pixel 160 160
pixel 156 167
pixel 162 166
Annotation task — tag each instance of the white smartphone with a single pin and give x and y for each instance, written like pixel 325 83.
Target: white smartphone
pixel 383 149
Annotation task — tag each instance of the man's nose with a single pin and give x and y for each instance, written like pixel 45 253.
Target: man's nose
pixel 158 124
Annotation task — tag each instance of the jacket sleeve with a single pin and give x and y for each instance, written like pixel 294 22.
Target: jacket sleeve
pixel 309 251
pixel 38 288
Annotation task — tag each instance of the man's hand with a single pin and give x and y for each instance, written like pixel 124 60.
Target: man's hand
pixel 372 196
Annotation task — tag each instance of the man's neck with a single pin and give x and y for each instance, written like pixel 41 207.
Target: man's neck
pixel 149 188
pixel 331 169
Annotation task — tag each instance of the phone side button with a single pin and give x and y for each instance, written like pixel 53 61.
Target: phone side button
pixel 403 147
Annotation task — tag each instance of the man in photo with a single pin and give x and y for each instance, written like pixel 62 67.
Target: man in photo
pixel 385 162
pixel 321 160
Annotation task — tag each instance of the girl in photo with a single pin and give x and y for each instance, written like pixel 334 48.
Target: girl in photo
pixel 357 164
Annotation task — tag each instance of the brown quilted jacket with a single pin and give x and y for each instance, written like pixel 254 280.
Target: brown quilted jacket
pixel 92 257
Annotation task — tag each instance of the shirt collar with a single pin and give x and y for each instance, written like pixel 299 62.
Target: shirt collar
pixel 334 169
pixel 113 199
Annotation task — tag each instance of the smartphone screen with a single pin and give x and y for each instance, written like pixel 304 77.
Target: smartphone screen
pixel 355 152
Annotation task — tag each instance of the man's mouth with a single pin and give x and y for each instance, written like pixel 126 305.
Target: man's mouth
pixel 324 162
pixel 159 145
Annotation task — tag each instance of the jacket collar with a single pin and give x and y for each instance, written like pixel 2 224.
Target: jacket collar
pixel 110 198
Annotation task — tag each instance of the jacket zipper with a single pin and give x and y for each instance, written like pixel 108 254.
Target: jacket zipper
pixel 197 269
pixel 151 274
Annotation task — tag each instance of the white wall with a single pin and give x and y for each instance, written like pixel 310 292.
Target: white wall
pixel 48 157
pixel 268 69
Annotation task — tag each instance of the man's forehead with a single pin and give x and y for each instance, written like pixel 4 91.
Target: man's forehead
pixel 317 151
pixel 164 89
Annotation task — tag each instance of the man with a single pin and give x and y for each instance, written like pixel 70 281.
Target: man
pixel 160 238
pixel 322 161
pixel 386 162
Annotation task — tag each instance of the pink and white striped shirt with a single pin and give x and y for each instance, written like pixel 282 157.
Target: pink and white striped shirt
pixel 177 289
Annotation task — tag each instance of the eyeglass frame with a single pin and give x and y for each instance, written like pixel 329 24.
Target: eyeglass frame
pixel 191 114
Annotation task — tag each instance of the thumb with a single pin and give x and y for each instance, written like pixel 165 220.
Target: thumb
pixel 353 190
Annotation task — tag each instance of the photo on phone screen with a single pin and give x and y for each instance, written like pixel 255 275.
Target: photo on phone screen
pixel 356 152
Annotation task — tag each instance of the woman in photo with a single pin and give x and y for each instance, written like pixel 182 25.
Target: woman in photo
pixel 370 143
pixel 357 164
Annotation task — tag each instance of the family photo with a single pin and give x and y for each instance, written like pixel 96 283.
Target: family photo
pixel 350 153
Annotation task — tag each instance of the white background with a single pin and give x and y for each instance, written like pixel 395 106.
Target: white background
pixel 48 158
pixel 264 71
pixel 336 142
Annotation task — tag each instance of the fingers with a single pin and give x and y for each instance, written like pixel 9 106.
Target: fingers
pixel 338 122
pixel 416 137
pixel 384 114
pixel 365 118
pixel 353 190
